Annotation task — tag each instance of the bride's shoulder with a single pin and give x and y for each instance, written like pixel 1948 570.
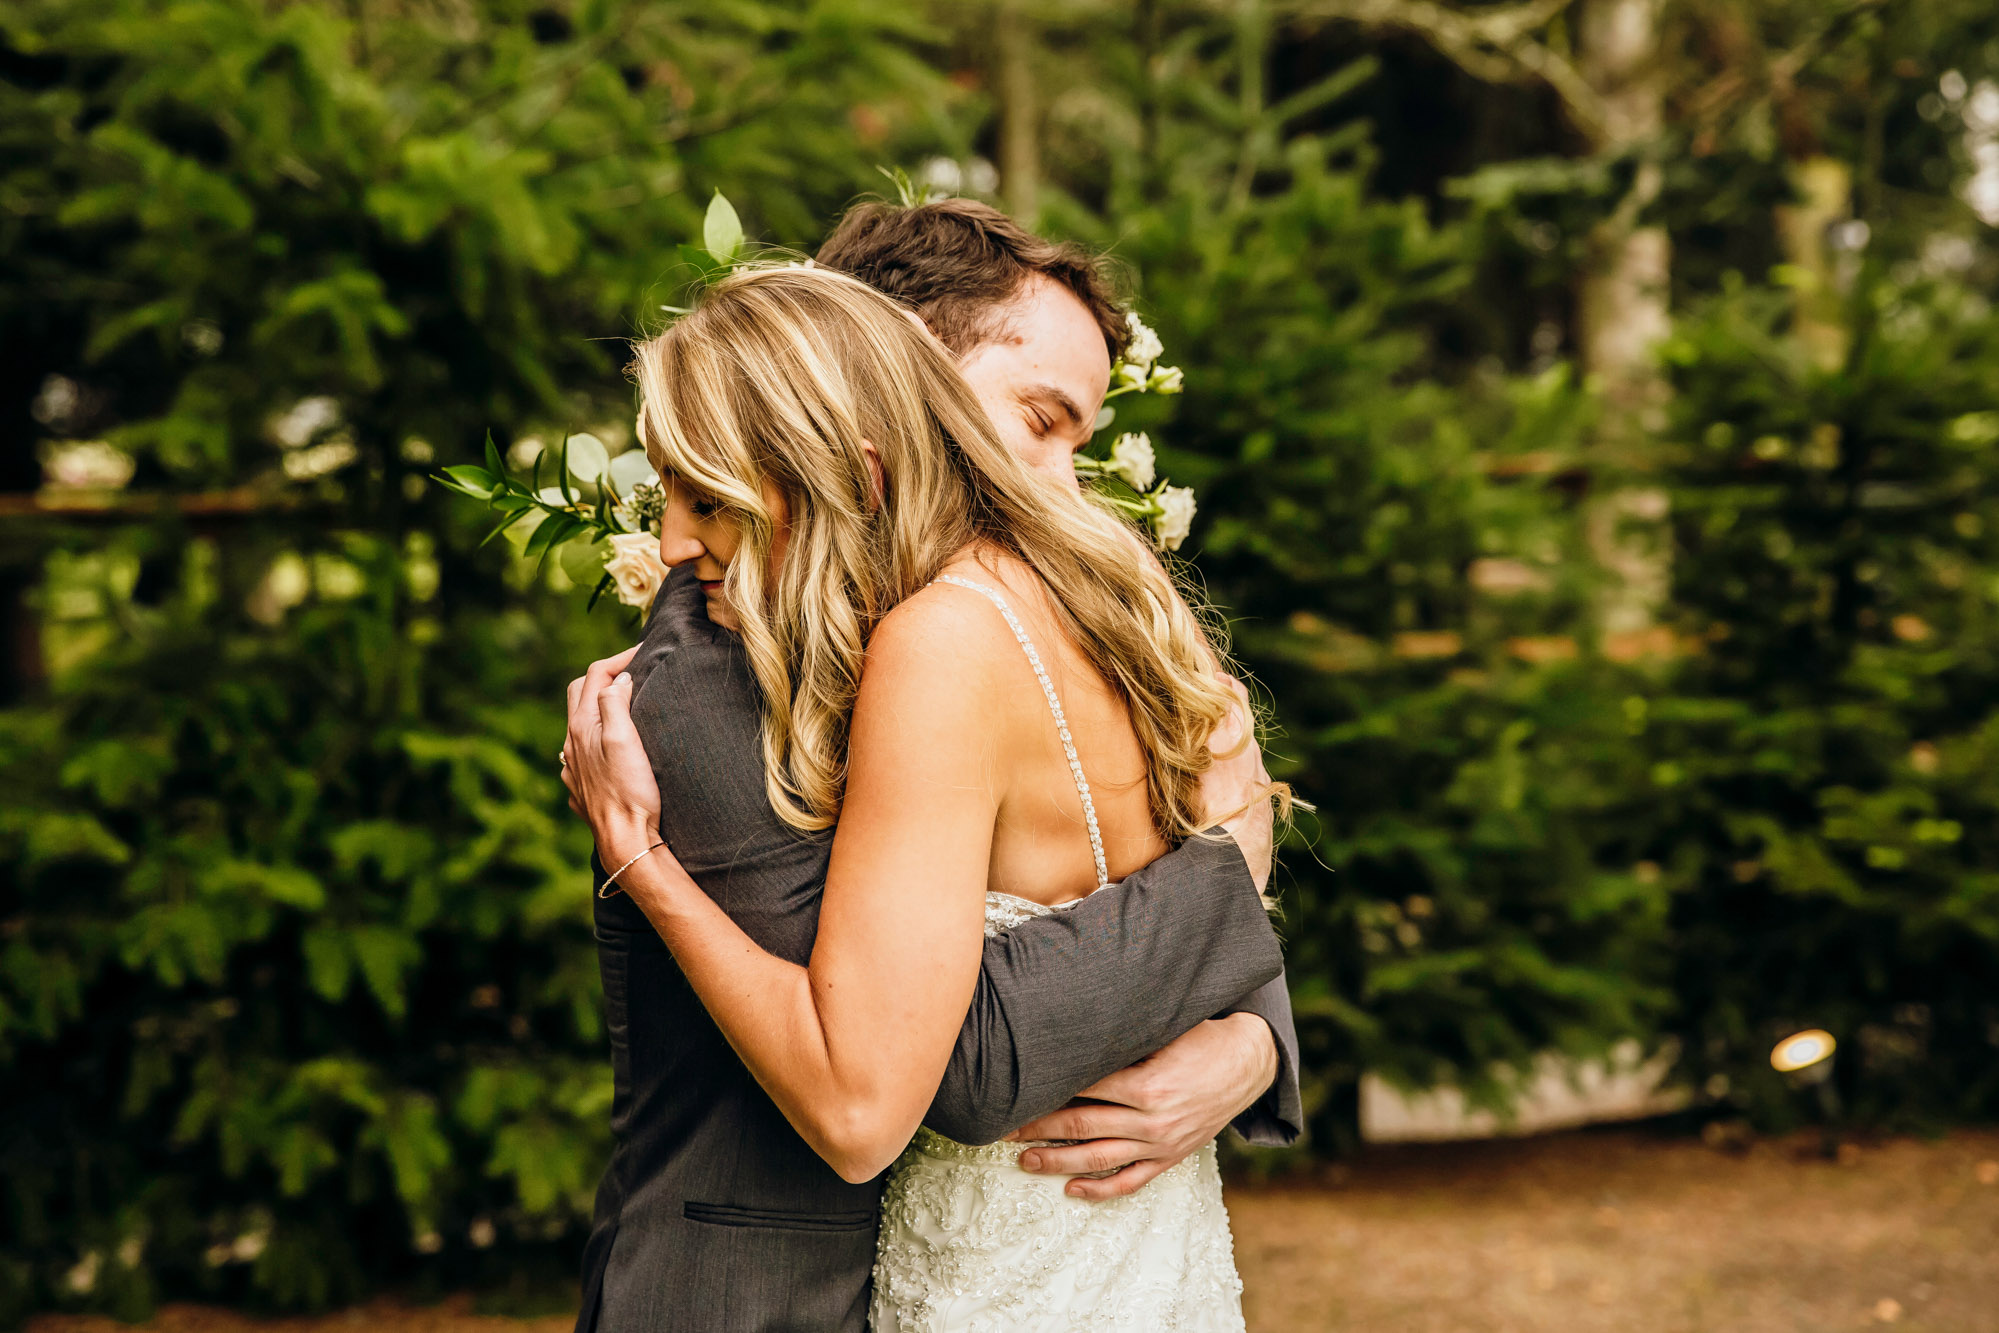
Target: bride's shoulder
pixel 945 631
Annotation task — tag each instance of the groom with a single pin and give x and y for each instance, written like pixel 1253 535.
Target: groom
pixel 713 1214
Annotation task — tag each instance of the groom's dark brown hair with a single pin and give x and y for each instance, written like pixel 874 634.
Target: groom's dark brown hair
pixel 958 262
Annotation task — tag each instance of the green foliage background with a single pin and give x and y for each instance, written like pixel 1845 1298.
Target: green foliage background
pixel 297 994
pixel 297 976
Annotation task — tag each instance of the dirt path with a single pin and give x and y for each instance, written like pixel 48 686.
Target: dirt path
pixel 1628 1233
pixel 1580 1233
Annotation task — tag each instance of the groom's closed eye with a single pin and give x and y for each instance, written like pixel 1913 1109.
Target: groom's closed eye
pixel 1050 409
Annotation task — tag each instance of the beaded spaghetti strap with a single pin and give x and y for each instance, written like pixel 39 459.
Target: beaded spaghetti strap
pixel 1055 707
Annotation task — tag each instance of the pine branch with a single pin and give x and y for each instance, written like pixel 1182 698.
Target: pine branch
pixel 1495 45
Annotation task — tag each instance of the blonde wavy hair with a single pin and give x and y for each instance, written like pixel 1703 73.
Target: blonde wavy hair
pixel 779 374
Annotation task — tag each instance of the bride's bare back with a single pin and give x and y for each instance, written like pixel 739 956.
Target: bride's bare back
pixel 969 1239
pixel 1041 847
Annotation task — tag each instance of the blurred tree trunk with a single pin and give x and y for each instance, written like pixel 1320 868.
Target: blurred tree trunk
pixel 1019 121
pixel 1622 310
pixel 1602 61
pixel 1621 303
pixel 1755 74
pixel 1825 197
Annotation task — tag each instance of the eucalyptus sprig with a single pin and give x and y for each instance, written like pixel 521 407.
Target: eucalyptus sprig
pixel 627 498
pixel 603 512
pixel 722 247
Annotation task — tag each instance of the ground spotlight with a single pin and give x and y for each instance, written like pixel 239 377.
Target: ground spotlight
pixel 1805 1061
pixel 1802 1050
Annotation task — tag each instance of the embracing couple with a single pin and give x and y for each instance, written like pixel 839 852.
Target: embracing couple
pixel 931 834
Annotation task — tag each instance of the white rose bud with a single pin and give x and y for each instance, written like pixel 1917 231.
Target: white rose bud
pixel 1165 379
pixel 1176 516
pixel 1144 347
pixel 635 568
pixel 1133 377
pixel 1132 459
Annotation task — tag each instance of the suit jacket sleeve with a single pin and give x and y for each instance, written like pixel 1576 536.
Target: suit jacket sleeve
pixel 1065 999
pixel 1278 1117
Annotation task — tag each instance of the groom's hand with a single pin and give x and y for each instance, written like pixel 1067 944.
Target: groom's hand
pixel 1139 1121
pixel 1235 790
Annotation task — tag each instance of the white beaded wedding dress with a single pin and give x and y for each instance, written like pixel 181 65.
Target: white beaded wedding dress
pixel 970 1243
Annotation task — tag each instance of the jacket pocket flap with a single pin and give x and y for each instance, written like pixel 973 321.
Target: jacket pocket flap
pixel 779 1219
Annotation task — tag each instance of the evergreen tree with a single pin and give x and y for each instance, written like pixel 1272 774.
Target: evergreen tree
pixel 297 992
pixel 1820 763
pixel 1824 764
pixel 1411 595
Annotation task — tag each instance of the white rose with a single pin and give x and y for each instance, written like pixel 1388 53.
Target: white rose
pixel 1144 347
pixel 1132 459
pixel 634 566
pixel 1165 379
pixel 1133 377
pixel 1176 516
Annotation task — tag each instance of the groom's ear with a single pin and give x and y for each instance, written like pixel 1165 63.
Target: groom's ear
pixel 875 470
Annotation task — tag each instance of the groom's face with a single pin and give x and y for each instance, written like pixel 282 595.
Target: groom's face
pixel 1043 379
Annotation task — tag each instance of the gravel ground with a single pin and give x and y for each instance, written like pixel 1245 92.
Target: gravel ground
pixel 1621 1232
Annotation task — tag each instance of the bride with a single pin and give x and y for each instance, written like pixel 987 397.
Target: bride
pixel 1003 705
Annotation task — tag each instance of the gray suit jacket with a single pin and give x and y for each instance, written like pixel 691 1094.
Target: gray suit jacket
pixel 713 1214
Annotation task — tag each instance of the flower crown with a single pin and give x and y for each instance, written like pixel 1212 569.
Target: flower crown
pixel 601 513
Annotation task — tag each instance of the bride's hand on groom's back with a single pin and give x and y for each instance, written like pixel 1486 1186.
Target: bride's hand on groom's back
pixel 604 763
pixel 1236 789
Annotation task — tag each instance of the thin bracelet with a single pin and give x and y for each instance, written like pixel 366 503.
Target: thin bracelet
pixel 611 880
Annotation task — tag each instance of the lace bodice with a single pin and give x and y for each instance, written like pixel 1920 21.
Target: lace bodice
pixel 1004 911
pixel 970 1243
